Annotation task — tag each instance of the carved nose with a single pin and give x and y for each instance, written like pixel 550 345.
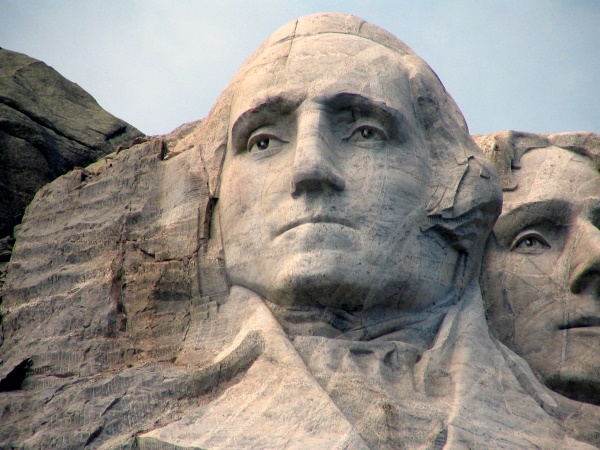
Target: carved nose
pixel 314 168
pixel 585 262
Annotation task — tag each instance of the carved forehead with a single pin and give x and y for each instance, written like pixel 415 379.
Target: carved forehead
pixel 280 43
pixel 553 173
pixel 318 64
pixel 323 47
pixel 334 23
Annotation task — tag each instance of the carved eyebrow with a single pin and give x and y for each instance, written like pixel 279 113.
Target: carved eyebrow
pixel 529 214
pixel 268 110
pixel 365 105
pixel 395 121
pixel 265 112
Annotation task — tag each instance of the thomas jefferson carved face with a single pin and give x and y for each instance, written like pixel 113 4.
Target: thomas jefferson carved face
pixel 542 270
pixel 326 181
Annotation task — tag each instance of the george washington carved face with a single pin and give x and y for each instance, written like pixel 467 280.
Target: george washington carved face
pixel 327 179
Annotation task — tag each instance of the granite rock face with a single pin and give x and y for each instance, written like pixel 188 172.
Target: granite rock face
pixel 101 291
pixel 48 126
pixel 298 270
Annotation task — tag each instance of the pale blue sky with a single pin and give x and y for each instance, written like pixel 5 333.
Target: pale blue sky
pixel 529 65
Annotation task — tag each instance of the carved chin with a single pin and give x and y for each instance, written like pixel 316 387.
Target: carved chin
pixel 319 285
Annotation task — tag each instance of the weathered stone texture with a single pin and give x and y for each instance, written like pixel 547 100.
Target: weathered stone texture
pixel 98 300
pixel 299 270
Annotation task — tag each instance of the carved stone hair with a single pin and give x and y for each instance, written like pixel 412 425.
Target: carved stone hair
pixel 505 149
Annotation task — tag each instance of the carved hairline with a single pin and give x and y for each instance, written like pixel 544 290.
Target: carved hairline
pixel 506 148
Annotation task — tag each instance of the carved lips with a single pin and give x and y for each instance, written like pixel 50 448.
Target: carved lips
pixel 315 220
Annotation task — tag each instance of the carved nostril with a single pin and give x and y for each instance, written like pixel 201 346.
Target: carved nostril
pixel 315 172
pixel 585 275
pixel 586 281
pixel 585 262
pixel 316 179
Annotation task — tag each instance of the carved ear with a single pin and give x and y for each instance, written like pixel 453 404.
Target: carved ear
pixel 466 197
pixel 476 204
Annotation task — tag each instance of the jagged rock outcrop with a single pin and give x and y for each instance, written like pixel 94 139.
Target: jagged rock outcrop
pixel 48 126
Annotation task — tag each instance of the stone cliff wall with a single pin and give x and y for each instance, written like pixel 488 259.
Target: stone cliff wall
pixel 102 288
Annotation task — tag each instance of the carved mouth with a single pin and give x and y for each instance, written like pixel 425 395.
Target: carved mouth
pixel 583 322
pixel 315 220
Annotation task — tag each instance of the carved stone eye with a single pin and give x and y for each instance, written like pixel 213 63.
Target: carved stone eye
pixel 367 133
pixel 263 144
pixel 530 242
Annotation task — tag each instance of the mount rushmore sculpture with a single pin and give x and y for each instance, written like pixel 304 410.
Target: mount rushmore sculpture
pixel 301 269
